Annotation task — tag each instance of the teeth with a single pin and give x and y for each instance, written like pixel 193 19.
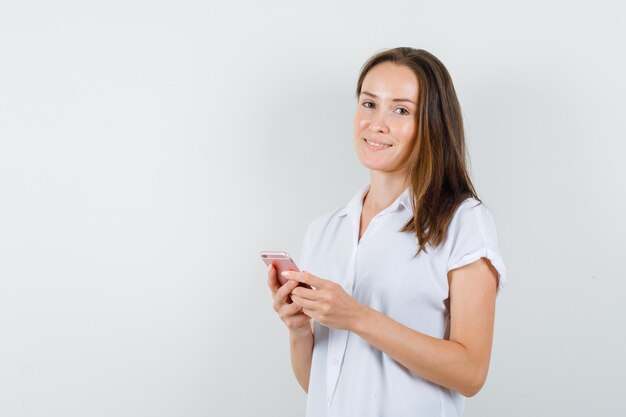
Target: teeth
pixel 379 145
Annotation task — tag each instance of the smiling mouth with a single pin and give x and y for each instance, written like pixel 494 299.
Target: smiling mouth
pixel 376 144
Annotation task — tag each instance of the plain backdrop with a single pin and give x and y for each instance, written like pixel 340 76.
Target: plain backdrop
pixel 149 150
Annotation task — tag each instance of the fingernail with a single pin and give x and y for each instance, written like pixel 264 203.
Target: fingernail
pixel 286 273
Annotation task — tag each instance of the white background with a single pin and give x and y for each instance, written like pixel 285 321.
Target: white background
pixel 149 150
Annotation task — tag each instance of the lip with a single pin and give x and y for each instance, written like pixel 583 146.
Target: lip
pixel 376 148
pixel 377 141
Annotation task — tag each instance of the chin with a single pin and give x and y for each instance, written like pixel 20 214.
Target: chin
pixel 378 166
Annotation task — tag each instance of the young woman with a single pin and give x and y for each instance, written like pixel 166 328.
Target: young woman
pixel 405 276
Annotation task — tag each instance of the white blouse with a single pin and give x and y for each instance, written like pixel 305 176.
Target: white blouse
pixel 349 377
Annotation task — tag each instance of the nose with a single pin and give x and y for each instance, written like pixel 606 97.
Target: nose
pixel 378 124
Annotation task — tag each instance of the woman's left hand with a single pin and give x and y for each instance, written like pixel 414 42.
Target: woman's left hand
pixel 328 303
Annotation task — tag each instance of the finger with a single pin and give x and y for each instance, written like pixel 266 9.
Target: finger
pixel 303 302
pixel 289 310
pixel 305 277
pixel 286 289
pixel 306 293
pixel 281 295
pixel 272 279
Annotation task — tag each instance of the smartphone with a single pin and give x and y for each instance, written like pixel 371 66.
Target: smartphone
pixel 282 262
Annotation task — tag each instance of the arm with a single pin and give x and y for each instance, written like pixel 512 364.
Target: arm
pixel 299 324
pixel 460 363
pixel 301 345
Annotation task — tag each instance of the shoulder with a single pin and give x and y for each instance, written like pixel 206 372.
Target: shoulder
pixel 319 229
pixel 468 204
pixel 472 220
pixel 471 211
pixel 321 222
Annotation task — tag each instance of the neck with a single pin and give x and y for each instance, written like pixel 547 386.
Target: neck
pixel 384 189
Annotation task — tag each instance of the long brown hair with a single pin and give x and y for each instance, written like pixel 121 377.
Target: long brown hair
pixel 437 168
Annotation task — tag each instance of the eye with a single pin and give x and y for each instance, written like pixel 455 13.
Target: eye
pixel 365 104
pixel 404 110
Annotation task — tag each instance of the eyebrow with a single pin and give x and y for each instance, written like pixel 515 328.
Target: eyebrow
pixel 395 99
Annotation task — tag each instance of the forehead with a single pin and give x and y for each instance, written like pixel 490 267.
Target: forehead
pixel 391 80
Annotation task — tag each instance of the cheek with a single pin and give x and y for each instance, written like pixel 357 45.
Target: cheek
pixel 360 121
pixel 406 132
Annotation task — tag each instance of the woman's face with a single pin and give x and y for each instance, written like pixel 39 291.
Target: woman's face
pixel 384 123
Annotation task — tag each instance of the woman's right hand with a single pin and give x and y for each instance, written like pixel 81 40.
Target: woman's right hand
pixel 289 312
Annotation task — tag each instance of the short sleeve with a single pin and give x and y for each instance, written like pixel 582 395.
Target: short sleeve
pixel 473 235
